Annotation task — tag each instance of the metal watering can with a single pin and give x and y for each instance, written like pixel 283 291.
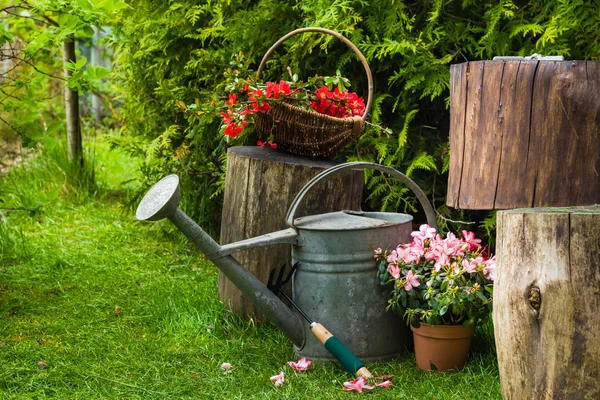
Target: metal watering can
pixel 335 280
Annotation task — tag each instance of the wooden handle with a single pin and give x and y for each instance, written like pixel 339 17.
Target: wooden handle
pixel 340 37
pixel 320 332
pixel 340 351
pixel 364 372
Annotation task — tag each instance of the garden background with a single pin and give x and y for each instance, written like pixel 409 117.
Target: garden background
pixel 113 308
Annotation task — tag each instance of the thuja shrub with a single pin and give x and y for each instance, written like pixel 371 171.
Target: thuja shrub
pixel 170 53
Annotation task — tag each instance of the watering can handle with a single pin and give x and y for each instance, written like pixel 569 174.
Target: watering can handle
pixel 429 213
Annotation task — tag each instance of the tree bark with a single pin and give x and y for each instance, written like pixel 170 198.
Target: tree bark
pixel 524 134
pixel 260 185
pixel 547 303
pixel 72 109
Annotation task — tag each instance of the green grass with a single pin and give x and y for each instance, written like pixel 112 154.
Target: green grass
pixel 67 265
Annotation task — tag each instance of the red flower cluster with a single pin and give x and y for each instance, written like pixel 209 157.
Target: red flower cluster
pixel 340 104
pixel 233 128
pixel 276 91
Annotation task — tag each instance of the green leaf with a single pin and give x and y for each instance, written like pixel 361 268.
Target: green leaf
pixel 54 127
pixel 5 36
pixel 415 323
pixel 28 142
pixel 88 31
pixel 80 63
pixel 443 310
pixel 412 302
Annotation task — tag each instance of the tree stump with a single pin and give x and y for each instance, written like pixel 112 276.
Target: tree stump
pixel 547 303
pixel 524 134
pixel 260 185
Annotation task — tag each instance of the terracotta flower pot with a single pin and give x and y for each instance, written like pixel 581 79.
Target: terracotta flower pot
pixel 442 347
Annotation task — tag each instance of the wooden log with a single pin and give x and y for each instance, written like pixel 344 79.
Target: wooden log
pixel 547 303
pixel 260 185
pixel 524 134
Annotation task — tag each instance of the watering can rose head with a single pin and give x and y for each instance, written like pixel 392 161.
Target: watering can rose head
pixel 439 281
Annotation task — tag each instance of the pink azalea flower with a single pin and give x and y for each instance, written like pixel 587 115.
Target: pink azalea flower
pixel 469 266
pixel 301 365
pixel 385 384
pixel 469 238
pixel 412 280
pixel 226 366
pixel 394 271
pixel 377 252
pixel 417 249
pixel 432 253
pixel 358 384
pixel 392 257
pixel 424 232
pixel 452 242
pixel 406 254
pixel 441 260
pixel 278 379
pixel 490 269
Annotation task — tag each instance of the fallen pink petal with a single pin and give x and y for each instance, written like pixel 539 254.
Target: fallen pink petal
pixel 358 384
pixel 226 366
pixel 301 365
pixel 278 379
pixel 385 384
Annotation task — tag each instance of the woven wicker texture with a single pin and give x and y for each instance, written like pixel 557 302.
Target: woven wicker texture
pixel 305 132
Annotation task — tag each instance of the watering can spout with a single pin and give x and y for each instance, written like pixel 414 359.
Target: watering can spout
pixel 162 201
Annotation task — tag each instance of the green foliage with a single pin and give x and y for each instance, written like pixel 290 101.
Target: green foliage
pixel 177 50
pixel 31 76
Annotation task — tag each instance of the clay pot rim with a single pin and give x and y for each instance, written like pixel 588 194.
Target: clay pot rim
pixel 444 331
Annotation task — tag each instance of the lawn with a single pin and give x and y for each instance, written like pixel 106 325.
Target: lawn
pixel 94 304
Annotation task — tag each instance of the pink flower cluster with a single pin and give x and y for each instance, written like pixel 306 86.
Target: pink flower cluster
pixel 450 252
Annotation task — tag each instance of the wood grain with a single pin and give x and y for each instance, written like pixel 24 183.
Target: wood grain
pixel 547 303
pixel 260 185
pixel 458 99
pixel 531 134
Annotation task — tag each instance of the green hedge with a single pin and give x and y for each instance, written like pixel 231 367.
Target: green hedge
pixel 177 50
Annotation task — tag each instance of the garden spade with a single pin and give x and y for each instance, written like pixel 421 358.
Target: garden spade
pixel 331 342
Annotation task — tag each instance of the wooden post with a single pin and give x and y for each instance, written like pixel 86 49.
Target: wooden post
pixel 547 303
pixel 260 185
pixel 524 134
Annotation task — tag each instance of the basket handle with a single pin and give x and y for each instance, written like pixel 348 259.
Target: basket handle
pixel 337 35
pixel 429 212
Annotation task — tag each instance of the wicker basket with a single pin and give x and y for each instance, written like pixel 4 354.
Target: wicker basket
pixel 305 132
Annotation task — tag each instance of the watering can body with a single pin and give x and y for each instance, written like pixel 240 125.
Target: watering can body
pixel 336 282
